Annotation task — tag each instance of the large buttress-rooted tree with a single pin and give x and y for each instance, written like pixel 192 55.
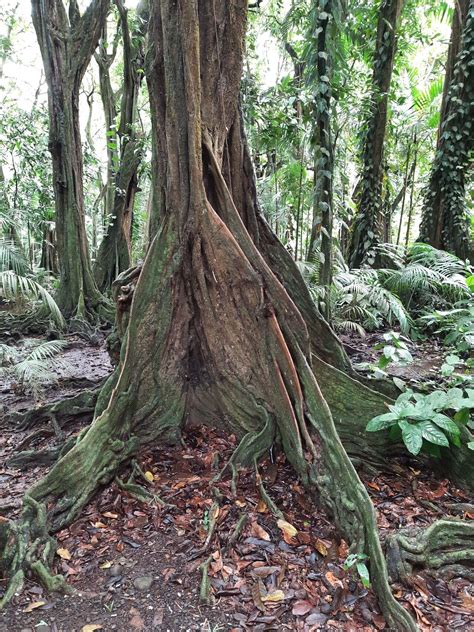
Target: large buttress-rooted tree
pixel 367 230
pixel 221 328
pixel 67 42
pixel 445 222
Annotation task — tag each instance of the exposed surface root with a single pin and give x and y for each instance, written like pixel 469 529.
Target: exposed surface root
pixel 27 547
pixel 59 414
pixel 445 547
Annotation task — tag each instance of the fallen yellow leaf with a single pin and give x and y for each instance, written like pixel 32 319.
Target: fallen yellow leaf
pixel 275 596
pixel 91 627
pixel 149 476
pixel 106 564
pixel 321 547
pixel 287 528
pixel 33 605
pixel 100 525
pixel 64 554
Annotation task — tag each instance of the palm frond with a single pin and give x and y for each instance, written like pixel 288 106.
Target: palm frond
pixel 11 258
pixel 13 285
pixel 46 350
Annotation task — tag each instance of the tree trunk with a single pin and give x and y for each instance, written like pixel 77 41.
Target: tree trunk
pixel 114 252
pixel 109 98
pixel 367 229
pixel 324 32
pixel 213 334
pixel 67 44
pixel 445 221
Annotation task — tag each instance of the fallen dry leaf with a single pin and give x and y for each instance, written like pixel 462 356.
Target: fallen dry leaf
pixel 467 602
pixel 33 605
pixel 64 554
pixel 106 564
pixel 91 627
pixel 259 532
pixel 136 622
pixel 109 514
pixel 333 580
pixel 274 596
pixel 287 528
pixel 301 607
pixel 321 547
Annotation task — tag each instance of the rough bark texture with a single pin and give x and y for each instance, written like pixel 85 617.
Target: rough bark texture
pixel 213 336
pixel 445 221
pixel 114 253
pixel 324 34
pixel 367 230
pixel 67 43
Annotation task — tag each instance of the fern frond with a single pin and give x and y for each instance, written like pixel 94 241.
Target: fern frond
pixel 46 350
pixel 13 285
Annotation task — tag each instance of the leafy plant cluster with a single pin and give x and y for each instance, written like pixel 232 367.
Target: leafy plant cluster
pixel 428 422
pixel 406 295
pixel 29 368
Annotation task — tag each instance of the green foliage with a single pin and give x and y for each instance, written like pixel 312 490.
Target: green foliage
pixel 30 371
pixel 394 350
pixel 365 299
pixel 427 422
pixel 455 325
pixel 17 281
pixel 444 206
pixel 359 561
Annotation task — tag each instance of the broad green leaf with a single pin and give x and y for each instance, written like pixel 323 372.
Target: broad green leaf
pixel 431 433
pixel 381 422
pixel 411 435
pixel 363 574
pixel 444 422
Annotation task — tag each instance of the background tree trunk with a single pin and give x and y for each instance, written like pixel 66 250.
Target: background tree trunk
pixel 114 253
pixel 67 45
pixel 324 32
pixel 367 229
pixel 445 222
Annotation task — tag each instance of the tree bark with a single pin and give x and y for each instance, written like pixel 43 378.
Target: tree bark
pixel 114 253
pixel 67 44
pixel 367 229
pixel 324 33
pixel 445 221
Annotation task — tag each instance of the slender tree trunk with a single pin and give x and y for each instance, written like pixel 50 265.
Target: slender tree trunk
pixel 324 34
pixel 367 229
pixel 445 221
pixel 412 194
pixel 114 253
pixel 109 98
pixel 67 44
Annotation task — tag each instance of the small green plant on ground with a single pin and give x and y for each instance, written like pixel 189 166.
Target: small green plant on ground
pixel 30 371
pixel 394 349
pixel 456 325
pixel 427 422
pixel 359 562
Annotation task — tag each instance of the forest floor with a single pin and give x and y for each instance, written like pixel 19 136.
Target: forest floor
pixel 135 566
